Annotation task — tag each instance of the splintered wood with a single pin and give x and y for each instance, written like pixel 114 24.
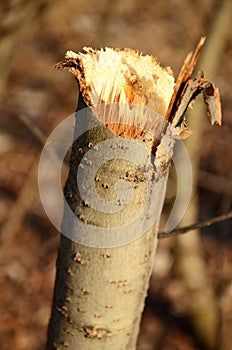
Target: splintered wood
pixel 187 89
pixel 124 87
pixel 130 79
pixel 123 76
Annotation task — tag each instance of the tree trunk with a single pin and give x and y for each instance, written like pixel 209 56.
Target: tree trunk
pixel 116 186
pixel 101 284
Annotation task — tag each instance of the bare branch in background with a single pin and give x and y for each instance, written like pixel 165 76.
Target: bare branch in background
pixel 196 226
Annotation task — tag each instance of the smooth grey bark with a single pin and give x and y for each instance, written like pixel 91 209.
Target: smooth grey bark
pixel 100 292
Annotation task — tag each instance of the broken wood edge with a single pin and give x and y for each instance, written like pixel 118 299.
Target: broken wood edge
pixel 144 83
pixel 187 89
pixel 182 79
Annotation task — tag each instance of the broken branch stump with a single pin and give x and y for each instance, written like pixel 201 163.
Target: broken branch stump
pixel 107 248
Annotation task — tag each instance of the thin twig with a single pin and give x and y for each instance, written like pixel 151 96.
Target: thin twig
pixel 41 137
pixel 35 129
pixel 195 226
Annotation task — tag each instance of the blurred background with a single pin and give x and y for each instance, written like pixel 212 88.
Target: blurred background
pixel 189 305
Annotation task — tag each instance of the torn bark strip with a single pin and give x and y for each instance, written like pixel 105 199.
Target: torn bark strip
pixel 212 99
pixel 187 89
pixel 100 289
